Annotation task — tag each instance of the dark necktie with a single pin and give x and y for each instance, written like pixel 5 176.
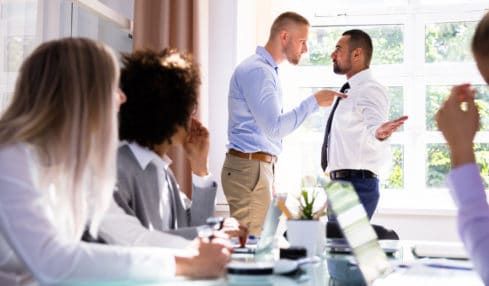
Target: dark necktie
pixel 324 149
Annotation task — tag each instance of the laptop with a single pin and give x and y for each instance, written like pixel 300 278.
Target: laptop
pixel 356 228
pixel 370 264
pixel 264 243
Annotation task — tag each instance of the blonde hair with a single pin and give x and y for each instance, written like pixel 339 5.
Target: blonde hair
pixel 64 106
pixel 284 20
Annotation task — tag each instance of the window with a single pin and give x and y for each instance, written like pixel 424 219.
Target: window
pixel 421 50
pixel 17 39
pixel 26 23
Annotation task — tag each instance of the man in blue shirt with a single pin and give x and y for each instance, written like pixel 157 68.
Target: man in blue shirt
pixel 257 122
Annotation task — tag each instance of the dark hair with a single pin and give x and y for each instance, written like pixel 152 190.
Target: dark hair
pixel 285 19
pixel 360 39
pixel 161 90
pixel 480 41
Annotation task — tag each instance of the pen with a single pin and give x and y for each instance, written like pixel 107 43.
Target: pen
pixel 437 265
pixel 284 208
pixel 445 266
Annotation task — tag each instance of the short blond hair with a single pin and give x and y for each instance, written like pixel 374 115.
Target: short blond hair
pixel 284 20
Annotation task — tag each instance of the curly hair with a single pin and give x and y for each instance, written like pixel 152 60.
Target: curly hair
pixel 161 90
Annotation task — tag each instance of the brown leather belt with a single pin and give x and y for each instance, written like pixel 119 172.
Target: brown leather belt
pixel 260 156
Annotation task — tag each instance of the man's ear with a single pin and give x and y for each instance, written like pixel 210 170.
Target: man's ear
pixel 357 52
pixel 357 55
pixel 284 35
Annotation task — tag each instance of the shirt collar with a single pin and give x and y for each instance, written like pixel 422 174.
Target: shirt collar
pixel 144 156
pixel 268 57
pixel 360 77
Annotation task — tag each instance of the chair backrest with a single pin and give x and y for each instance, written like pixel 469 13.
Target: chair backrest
pixel 333 231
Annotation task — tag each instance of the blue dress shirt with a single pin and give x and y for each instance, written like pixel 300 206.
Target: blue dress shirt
pixel 256 119
pixel 467 190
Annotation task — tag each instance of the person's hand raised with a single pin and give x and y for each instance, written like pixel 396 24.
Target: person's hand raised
pixel 459 124
pixel 197 147
pixel 325 97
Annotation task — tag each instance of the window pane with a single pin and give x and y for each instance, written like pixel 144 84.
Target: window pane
pixel 387 41
pixel 26 9
pixel 436 95
pixel 17 49
pixel 439 164
pixel 396 177
pixel 4 100
pixel 448 42
pixel 482 101
pixel 397 102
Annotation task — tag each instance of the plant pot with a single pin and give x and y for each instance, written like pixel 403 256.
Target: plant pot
pixel 310 234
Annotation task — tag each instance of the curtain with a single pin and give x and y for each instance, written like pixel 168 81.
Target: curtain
pixel 160 24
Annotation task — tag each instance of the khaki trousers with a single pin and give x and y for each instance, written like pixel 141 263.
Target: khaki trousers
pixel 247 185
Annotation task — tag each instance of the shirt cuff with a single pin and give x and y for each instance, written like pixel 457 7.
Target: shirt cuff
pixel 311 103
pixel 465 184
pixel 202 182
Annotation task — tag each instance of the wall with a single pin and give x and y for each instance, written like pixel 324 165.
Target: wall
pixel 222 58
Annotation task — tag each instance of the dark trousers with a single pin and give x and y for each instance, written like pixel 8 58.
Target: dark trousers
pixel 368 191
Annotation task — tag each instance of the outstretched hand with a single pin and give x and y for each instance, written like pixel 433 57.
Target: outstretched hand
pixel 197 147
pixel 385 130
pixel 325 97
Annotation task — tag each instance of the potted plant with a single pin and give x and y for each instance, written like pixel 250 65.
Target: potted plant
pixel 305 229
pixel 306 206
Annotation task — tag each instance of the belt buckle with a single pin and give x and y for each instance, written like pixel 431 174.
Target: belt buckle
pixel 332 175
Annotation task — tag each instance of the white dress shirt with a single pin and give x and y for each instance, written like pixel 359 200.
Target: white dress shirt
pixel 353 144
pixel 34 247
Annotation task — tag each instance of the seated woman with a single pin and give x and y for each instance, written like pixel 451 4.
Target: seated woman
pixel 58 141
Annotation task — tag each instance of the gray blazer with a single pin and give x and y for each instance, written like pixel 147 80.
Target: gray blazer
pixel 138 194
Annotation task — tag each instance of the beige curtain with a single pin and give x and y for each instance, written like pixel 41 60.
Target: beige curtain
pixel 169 23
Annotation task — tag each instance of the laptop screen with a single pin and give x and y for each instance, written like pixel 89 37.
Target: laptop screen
pixel 357 230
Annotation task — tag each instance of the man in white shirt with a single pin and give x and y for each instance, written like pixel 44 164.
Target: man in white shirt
pixel 161 89
pixel 355 143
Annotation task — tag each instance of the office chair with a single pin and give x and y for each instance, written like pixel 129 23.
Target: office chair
pixel 333 231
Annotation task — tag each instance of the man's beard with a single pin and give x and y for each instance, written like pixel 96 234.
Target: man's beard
pixel 294 60
pixel 337 69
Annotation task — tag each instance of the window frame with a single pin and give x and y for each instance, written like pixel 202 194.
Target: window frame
pixel 413 75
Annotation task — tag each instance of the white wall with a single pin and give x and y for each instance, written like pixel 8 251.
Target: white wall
pixel 222 59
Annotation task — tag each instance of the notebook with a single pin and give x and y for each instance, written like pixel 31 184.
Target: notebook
pixel 371 263
pixel 265 241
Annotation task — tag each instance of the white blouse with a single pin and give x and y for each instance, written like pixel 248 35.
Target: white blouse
pixel 33 248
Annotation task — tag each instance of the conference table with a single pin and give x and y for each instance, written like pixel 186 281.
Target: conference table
pixel 341 270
